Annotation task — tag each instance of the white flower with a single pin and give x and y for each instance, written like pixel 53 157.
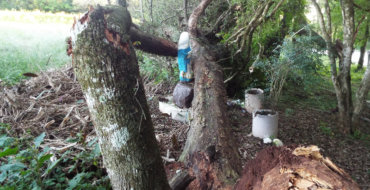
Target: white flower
pixel 267 140
pixel 277 142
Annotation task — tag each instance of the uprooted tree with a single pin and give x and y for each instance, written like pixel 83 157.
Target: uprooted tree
pixel 106 67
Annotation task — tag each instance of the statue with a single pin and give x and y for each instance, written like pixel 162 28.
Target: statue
pixel 183 58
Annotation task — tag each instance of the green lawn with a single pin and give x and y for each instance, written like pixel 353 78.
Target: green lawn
pixel 30 41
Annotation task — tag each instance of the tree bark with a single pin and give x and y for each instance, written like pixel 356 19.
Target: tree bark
pixel 210 152
pixel 105 64
pixel 362 93
pixel 363 48
pixel 345 77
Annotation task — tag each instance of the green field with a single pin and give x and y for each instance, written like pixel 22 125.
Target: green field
pixel 30 41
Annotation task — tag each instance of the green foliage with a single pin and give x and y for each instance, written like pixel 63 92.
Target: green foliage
pixel 43 5
pixel 28 166
pixel 357 134
pixel 325 129
pixel 157 68
pixel 297 61
pixel 289 112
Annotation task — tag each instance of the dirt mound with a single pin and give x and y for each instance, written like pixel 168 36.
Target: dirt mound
pixel 293 167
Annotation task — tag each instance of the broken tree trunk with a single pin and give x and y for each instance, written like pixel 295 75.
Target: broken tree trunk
pixel 105 64
pixel 277 168
pixel 210 151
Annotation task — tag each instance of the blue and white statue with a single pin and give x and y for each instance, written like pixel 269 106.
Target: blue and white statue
pixel 183 58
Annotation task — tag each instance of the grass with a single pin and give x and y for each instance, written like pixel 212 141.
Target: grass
pixel 32 41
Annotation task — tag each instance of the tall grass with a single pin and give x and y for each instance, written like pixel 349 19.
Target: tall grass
pixel 30 41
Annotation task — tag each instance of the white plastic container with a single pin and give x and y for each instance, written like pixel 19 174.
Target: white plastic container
pixel 265 124
pixel 253 99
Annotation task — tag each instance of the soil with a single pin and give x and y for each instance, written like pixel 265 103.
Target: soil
pixel 53 103
pixel 302 126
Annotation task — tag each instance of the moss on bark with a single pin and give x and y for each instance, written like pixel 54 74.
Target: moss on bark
pixel 106 67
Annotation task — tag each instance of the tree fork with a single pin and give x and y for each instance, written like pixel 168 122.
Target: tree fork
pixel 105 64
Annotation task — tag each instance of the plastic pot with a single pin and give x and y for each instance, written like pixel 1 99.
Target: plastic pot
pixel 253 99
pixel 265 123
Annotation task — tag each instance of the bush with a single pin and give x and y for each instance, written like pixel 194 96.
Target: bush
pixel 297 61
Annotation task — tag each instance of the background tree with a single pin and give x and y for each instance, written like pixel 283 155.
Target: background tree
pixel 343 51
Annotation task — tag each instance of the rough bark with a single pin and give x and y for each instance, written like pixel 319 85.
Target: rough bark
pixel 210 152
pixel 152 44
pixel 342 79
pixel 345 77
pixel 277 168
pixel 363 48
pixel 105 64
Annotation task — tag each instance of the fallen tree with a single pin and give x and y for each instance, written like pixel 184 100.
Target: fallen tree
pixel 209 151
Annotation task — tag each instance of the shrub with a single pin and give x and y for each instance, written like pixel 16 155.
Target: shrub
pixel 297 61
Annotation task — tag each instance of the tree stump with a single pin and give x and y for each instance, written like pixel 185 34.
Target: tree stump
pixel 105 64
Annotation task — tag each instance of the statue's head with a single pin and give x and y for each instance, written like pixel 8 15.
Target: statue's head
pixel 184 41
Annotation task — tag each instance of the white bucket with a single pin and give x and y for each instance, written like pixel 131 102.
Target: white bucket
pixel 253 99
pixel 265 124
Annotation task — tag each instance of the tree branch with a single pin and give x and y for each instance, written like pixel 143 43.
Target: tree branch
pixel 328 17
pixel 152 44
pixel 193 19
pixel 358 27
pixel 361 8
pixel 322 22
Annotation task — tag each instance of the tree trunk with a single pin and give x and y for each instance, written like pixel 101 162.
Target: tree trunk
pixel 142 11
pixel 106 67
pixel 363 48
pixel 186 17
pixel 151 11
pixel 210 151
pixel 342 79
pixel 345 75
pixel 362 92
